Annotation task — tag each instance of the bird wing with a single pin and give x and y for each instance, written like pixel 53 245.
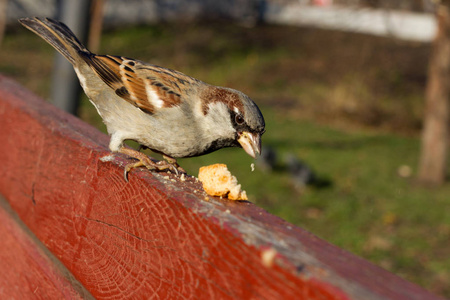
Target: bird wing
pixel 145 86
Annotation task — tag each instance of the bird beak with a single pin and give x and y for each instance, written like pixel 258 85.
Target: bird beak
pixel 250 142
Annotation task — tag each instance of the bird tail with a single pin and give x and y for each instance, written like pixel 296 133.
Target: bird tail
pixel 58 35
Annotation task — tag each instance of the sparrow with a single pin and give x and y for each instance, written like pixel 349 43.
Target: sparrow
pixel 162 109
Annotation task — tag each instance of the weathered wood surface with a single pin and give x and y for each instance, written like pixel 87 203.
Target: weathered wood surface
pixel 155 237
pixel 28 269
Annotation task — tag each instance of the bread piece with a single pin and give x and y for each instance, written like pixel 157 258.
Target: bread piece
pixel 218 181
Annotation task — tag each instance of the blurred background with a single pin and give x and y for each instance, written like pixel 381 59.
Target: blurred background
pixel 354 93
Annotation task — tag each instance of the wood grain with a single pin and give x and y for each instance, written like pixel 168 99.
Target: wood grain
pixel 156 236
pixel 29 270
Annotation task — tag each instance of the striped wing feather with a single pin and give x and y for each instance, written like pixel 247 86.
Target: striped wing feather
pixel 145 86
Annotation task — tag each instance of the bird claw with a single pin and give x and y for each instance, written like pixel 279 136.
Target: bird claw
pixel 128 168
pixel 147 162
pixel 164 165
pixel 180 169
pixel 159 166
pixel 167 164
pixel 175 165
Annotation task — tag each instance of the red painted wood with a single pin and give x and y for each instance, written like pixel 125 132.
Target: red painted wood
pixel 28 270
pixel 153 236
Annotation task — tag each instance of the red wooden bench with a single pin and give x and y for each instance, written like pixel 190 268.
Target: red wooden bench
pixel 71 227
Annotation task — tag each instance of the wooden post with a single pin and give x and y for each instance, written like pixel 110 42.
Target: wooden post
pixel 433 157
pixel 66 89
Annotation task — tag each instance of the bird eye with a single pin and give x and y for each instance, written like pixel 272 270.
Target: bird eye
pixel 239 119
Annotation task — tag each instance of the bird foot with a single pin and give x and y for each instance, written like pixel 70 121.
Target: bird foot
pixel 173 162
pixel 147 162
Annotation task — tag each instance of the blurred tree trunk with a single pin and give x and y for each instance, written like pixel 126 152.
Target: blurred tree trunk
pixel 433 158
pixel 3 6
pixel 95 30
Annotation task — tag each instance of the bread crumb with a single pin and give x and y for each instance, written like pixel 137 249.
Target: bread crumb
pixel 107 158
pixel 268 257
pixel 166 177
pixel 182 178
pixel 218 181
pixel 252 166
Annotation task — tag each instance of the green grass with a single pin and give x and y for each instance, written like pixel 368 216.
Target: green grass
pixel 299 76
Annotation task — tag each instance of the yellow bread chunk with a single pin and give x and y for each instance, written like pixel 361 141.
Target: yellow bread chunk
pixel 218 181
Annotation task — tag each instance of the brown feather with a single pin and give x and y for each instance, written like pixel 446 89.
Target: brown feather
pixel 169 84
pixel 131 80
pixel 219 94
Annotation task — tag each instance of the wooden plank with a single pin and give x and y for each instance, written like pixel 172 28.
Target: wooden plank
pixel 157 236
pixel 29 270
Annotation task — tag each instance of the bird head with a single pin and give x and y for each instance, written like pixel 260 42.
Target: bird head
pixel 244 121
